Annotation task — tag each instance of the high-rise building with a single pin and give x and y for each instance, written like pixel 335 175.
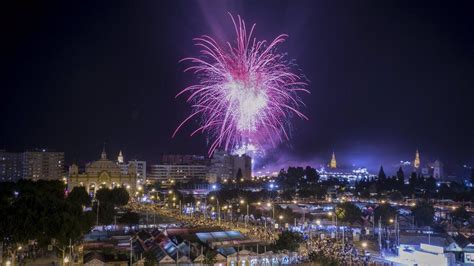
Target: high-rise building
pixel 242 165
pixel 225 166
pixel 140 167
pixel 177 172
pixel 333 164
pixel 43 164
pixel 221 167
pixel 11 166
pixel 438 170
pixel 184 159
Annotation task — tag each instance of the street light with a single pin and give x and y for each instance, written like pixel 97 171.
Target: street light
pixel 364 245
pixel 218 209
pixel 269 204
pixel 335 216
pixel 246 217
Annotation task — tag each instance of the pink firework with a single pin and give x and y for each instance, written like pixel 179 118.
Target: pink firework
pixel 245 93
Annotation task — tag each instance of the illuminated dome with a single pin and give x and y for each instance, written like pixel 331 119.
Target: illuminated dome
pixel 97 167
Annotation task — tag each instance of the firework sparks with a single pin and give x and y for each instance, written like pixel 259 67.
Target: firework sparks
pixel 246 92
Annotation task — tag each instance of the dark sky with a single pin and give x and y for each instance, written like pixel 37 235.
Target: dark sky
pixel 387 77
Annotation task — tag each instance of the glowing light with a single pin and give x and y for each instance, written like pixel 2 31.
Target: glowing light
pixel 246 92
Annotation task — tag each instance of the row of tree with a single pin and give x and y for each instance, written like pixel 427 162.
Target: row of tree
pixel 40 211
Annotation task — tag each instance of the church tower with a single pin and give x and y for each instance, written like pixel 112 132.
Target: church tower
pixel 103 155
pixel 120 157
pixel 333 163
pixel 416 163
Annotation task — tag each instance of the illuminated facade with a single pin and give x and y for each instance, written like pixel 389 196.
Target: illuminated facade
pixel 416 163
pixel 43 165
pixel 102 173
pixel 350 176
pixel 177 172
pixel 333 164
pixel 225 166
pixel 11 166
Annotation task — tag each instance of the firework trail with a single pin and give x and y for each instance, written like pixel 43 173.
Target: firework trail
pixel 246 92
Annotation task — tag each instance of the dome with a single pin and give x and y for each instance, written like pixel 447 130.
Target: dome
pixel 95 168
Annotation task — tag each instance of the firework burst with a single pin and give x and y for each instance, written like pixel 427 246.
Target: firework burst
pixel 246 92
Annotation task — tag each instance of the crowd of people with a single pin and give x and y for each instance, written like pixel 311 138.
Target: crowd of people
pixel 329 249
pixel 318 249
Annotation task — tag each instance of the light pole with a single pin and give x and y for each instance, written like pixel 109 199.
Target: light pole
pixel 218 209
pixel 246 217
pixel 335 216
pixel 131 250
pixel 269 204
pixel 97 215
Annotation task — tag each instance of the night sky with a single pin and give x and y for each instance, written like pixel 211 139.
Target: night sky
pixel 386 77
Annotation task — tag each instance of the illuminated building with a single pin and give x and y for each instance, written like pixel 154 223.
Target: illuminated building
pixel 333 163
pixel 221 167
pixel 140 167
pixel 438 170
pixel 416 162
pixel 177 172
pixel 350 175
pixel 120 157
pixel 225 167
pixel 184 159
pixel 102 173
pixel 11 166
pixel 43 165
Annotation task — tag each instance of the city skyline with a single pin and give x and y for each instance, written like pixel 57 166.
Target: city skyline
pixel 366 106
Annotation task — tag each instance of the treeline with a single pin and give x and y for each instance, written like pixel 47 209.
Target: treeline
pixel 40 211
pixel 394 188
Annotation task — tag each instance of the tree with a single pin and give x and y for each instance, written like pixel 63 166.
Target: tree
pixel 413 180
pixel 400 174
pixel 106 212
pixel 348 212
pixel 239 175
pixel 79 196
pixel 38 210
pixel 288 240
pixel 129 218
pixel 287 194
pixel 119 196
pixel 423 213
pixel 382 175
pixel 385 212
pixel 150 258
pixel 311 174
pixel 460 215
